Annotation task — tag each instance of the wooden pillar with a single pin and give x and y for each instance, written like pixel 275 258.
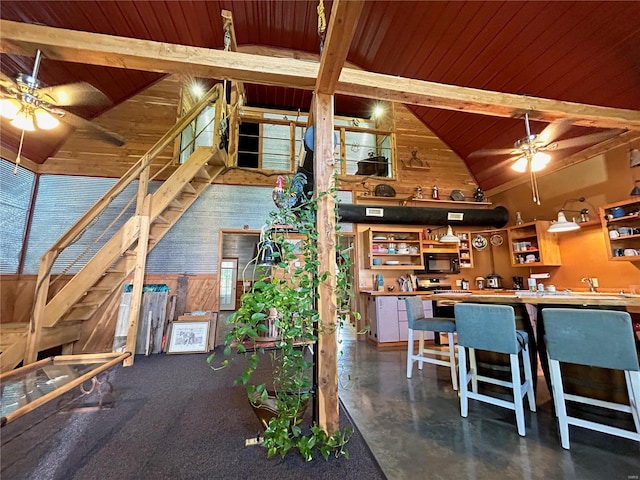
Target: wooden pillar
pixel 327 359
pixel 138 279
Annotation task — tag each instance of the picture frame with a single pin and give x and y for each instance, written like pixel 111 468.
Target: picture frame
pixel 189 337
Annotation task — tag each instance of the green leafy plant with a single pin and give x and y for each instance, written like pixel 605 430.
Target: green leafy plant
pixel 291 289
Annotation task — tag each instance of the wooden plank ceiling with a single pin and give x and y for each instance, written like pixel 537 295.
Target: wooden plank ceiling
pixel 584 52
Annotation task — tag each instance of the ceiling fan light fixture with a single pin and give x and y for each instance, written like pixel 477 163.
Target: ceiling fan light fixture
pixel 520 165
pixel 539 161
pixel 9 108
pixel 562 224
pixel 24 120
pixel 45 120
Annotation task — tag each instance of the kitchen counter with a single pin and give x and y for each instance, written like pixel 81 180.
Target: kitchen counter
pixel 394 293
pixel 546 298
pixel 525 297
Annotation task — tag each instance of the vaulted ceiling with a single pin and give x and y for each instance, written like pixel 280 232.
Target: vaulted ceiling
pixel 584 52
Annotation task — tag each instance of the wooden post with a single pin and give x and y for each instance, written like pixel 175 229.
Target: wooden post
pixel 138 279
pixel 37 320
pixel 327 359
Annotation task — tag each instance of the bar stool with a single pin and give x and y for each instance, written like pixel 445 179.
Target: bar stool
pixel 418 322
pixel 493 328
pixel 576 336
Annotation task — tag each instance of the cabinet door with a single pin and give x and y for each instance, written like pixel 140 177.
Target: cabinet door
pixel 387 316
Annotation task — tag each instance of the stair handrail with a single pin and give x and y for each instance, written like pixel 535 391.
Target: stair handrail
pixel 132 174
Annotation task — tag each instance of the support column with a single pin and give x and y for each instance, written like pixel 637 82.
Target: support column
pixel 327 359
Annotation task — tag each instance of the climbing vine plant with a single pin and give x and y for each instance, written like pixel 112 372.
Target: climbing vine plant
pixel 291 289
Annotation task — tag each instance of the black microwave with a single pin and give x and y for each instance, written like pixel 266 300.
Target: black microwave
pixel 441 263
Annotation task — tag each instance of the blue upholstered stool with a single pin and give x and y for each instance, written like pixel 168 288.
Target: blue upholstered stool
pixel 419 323
pixel 493 328
pixel 577 336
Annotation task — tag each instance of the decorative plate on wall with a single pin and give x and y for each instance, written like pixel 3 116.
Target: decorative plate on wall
pixel 496 240
pixel 479 242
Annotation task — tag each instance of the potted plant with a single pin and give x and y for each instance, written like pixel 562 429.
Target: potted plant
pixel 284 297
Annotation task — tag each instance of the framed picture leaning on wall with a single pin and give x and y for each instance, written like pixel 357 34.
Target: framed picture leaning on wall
pixel 189 337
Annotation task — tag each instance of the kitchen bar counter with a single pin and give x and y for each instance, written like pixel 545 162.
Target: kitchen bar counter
pixel 525 297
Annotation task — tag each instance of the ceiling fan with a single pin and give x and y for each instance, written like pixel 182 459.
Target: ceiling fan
pixel 529 153
pixel 31 106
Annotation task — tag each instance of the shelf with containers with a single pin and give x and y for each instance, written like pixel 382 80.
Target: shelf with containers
pixel 531 245
pixel 465 251
pixel 621 227
pixel 393 248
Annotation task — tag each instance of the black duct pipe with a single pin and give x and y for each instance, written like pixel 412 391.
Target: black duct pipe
pixel 496 217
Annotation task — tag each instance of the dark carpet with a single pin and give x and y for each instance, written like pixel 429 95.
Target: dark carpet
pixel 174 418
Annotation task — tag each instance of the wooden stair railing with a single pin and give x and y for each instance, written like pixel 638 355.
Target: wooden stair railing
pixel 56 320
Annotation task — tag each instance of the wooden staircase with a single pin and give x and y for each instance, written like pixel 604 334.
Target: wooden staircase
pixel 57 319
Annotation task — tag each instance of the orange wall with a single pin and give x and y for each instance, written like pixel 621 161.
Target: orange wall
pixel 603 179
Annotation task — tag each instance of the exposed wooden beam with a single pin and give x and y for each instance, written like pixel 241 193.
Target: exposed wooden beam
pixel 121 52
pixel 342 27
pixel 130 53
pixel 484 102
pixel 24 161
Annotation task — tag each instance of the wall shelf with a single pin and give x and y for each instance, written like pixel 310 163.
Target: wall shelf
pixel 403 201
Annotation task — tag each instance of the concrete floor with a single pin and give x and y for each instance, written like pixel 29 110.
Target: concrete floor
pixel 414 428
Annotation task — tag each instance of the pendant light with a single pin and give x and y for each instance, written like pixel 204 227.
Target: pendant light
pixel 449 237
pixel 562 224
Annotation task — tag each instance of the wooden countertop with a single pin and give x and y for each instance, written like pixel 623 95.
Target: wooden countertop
pixel 510 296
pixel 575 298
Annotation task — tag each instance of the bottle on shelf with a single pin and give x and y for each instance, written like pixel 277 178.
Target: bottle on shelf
pixel 435 195
pixel 519 219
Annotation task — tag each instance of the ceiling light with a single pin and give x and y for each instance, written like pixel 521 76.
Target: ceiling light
pixel 197 89
pixel 45 120
pixel 24 120
pixel 9 108
pixel 449 237
pixel 378 110
pixel 562 224
pixel 520 165
pixel 539 161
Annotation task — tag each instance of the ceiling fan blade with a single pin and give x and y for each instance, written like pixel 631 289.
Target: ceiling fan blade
pixel 7 82
pixel 92 129
pixel 80 93
pixel 554 130
pixel 494 151
pixel 583 140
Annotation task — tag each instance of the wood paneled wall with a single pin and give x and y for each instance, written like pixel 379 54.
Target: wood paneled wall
pixel 603 179
pixel 142 121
